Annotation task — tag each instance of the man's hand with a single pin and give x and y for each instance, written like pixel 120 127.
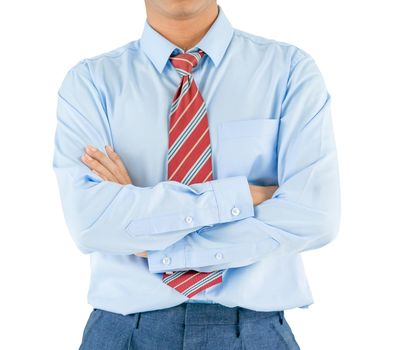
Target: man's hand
pixel 142 254
pixel 261 193
pixel 108 167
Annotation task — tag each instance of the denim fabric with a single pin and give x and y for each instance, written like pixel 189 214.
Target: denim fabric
pixel 189 326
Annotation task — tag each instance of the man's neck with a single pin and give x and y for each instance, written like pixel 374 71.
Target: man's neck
pixel 186 31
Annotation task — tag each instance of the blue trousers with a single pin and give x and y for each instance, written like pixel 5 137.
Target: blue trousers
pixel 189 326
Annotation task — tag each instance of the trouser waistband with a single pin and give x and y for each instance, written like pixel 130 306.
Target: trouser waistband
pixel 206 313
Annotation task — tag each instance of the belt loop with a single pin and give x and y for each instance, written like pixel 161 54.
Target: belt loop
pixel 138 320
pixel 281 316
pixel 238 331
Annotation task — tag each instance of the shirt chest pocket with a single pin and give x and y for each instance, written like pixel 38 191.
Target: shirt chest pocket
pixel 248 147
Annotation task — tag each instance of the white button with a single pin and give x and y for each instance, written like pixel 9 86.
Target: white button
pixel 169 272
pixel 218 256
pixel 189 219
pixel 166 260
pixel 235 211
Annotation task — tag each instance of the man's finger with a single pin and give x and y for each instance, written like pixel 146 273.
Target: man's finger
pixel 93 164
pixel 100 175
pixel 106 162
pixel 118 161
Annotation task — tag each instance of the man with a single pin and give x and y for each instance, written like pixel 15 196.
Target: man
pixel 195 164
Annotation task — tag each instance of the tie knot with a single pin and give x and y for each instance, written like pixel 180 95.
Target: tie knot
pixel 185 62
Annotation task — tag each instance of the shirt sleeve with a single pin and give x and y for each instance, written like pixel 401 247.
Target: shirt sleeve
pixel 303 213
pixel 124 219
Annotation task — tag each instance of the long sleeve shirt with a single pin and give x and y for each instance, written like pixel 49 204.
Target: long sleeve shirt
pixel 270 124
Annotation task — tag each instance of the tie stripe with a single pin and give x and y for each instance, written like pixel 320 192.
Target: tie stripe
pixel 202 163
pixel 175 104
pixel 189 104
pixel 173 276
pixel 191 282
pixel 185 133
pixel 179 165
pixel 211 280
pixel 189 157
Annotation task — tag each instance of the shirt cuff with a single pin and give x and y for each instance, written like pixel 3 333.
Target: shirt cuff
pixel 182 256
pixel 229 199
pixel 234 199
pixel 170 259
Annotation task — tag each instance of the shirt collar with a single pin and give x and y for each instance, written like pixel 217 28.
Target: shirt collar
pixel 214 43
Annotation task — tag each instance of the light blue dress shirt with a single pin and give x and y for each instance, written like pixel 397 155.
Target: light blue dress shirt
pixel 270 124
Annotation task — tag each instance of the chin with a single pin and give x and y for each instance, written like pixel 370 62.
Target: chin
pixel 182 8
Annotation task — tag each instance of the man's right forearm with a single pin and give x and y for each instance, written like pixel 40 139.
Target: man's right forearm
pixel 259 195
pixel 124 219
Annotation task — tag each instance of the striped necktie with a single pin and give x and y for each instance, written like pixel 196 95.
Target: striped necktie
pixel 189 157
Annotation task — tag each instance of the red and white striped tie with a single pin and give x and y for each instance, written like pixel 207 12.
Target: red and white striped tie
pixel 189 157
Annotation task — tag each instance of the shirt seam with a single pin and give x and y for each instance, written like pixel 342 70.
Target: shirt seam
pixel 124 48
pixel 216 200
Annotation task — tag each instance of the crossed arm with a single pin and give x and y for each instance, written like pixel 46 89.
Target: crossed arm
pixel 110 167
pixel 303 212
pixel 117 217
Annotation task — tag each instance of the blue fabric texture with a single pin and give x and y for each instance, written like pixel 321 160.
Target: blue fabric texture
pixel 189 326
pixel 270 124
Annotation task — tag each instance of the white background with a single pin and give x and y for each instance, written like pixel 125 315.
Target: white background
pixel 356 280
